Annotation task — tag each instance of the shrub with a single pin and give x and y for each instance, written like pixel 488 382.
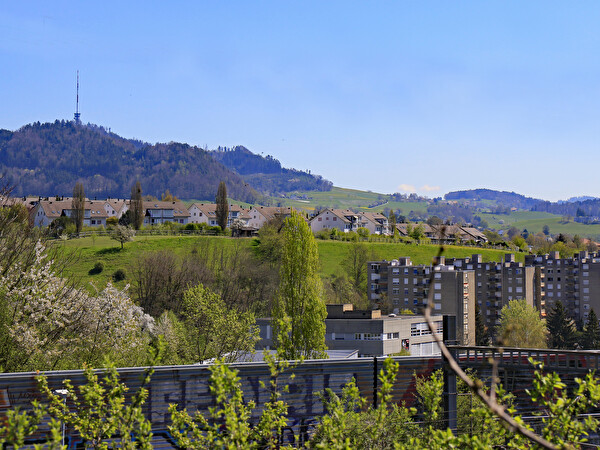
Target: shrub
pixel 98 268
pixel 322 234
pixel 119 275
pixel 216 229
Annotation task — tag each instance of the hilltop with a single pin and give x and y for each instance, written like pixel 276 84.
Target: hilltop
pixel 49 158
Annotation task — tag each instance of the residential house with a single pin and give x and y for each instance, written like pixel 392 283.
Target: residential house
pixel 404 228
pixel 376 223
pixel 49 209
pixel 115 207
pixel 260 215
pixel 207 213
pixel 159 212
pixel 342 219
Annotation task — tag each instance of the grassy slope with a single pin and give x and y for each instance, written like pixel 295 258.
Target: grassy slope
pixel 349 198
pixel 534 222
pixel 331 252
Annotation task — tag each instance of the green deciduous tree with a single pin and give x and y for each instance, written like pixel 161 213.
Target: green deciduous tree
pixel 78 206
pixel 299 312
pixel 590 339
pixel 521 326
pixel 355 264
pixel 222 208
pixel 136 206
pixel 215 330
pixel 122 234
pixel 561 328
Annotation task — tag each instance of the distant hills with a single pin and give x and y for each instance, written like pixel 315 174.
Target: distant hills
pixel 575 206
pixel 500 197
pixel 49 158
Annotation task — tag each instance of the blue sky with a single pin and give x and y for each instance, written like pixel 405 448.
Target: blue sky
pixel 384 96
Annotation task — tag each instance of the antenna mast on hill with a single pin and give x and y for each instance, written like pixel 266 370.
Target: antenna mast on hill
pixel 77 113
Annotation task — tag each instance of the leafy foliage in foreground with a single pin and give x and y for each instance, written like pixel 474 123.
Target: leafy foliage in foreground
pixel 100 412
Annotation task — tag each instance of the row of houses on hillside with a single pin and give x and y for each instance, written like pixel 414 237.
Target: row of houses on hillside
pixel 96 212
pixel 346 220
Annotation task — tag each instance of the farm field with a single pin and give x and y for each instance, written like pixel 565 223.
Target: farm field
pixel 349 198
pixel 534 221
pixel 89 251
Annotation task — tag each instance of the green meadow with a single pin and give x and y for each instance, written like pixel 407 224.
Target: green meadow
pixel 349 198
pixel 534 221
pixel 88 251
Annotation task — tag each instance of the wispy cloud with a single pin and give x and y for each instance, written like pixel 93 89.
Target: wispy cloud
pixel 406 188
pixel 428 188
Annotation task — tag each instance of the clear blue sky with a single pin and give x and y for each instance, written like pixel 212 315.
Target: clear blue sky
pixel 386 96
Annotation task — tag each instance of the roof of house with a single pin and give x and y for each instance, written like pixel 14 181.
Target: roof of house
pixel 342 214
pixel 54 208
pixel 179 209
pixel 374 217
pixel 96 208
pixel 403 227
pixel 116 204
pixel 270 212
pixel 210 209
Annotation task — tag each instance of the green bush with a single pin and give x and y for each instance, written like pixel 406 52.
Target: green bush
pixel 322 234
pixel 119 275
pixel 98 268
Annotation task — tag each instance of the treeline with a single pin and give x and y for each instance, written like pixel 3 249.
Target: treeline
pixel 266 173
pixel 503 197
pixel 573 209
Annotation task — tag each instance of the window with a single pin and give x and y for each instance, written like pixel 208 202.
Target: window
pixel 438 286
pixel 437 296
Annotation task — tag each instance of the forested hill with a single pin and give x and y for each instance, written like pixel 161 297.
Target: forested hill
pixel 49 158
pixel 266 173
pixel 578 206
pixel 500 197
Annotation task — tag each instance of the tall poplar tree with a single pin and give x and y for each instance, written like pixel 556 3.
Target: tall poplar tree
pixel 299 312
pixel 78 206
pixel 222 209
pixel 136 205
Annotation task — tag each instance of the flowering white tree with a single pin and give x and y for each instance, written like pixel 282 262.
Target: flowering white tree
pixel 49 324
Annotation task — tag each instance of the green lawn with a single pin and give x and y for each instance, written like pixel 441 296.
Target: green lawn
pixel 333 252
pixel 103 249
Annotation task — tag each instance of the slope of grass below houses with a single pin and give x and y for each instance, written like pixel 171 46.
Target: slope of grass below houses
pixel 102 249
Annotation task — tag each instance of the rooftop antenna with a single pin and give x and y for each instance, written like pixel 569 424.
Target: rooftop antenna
pixel 77 113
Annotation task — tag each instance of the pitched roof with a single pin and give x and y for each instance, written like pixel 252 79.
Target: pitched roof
pixel 179 209
pixel 270 212
pixel 210 209
pixel 53 208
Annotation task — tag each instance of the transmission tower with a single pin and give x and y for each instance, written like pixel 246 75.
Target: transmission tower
pixel 77 113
